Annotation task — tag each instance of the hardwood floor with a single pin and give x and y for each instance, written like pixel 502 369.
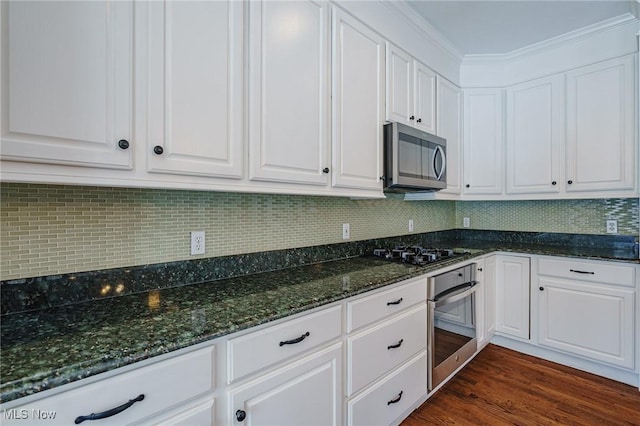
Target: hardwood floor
pixel 503 387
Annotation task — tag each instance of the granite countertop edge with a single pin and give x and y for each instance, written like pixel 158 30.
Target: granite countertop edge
pixel 46 380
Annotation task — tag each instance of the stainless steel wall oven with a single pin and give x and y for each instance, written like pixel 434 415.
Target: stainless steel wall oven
pixel 452 337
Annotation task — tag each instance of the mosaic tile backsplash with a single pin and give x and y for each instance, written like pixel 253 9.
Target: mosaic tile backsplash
pixel 567 216
pixel 50 229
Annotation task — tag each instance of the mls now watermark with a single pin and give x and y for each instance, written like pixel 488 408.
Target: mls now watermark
pixel 24 414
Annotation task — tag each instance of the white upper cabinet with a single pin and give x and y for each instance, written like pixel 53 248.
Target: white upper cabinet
pixel 399 105
pixel 535 136
pixel 289 87
pixel 67 83
pixel 483 143
pixel 357 103
pixel 601 120
pixel 449 125
pixel 194 78
pixel 411 90
pixel 425 97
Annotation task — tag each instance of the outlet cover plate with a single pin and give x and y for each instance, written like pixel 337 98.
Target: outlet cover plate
pixel 466 222
pixel 197 243
pixel 612 226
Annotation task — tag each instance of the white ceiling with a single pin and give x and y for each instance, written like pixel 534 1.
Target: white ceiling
pixel 498 27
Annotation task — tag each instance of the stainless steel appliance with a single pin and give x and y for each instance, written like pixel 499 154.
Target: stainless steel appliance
pixel 417 254
pixel 413 160
pixel 452 337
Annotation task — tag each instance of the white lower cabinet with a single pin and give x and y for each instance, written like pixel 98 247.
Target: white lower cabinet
pixel 377 350
pixel 384 402
pixel 148 391
pixel 254 351
pixel 386 361
pixel 304 392
pixel 590 314
pixel 199 414
pixel 486 300
pixel 512 296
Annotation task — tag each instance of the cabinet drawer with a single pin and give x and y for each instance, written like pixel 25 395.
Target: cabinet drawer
pixel 251 352
pixel 165 385
pixel 379 405
pixel 368 310
pixel 602 272
pixel 199 414
pixel 377 350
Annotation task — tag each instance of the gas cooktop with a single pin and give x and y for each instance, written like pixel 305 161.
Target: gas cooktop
pixel 417 255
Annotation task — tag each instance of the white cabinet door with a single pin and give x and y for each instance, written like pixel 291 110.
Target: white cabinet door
pixel 67 83
pixel 289 91
pixel 595 321
pixel 512 296
pixel 411 91
pixel 399 103
pixel 449 124
pixel 424 98
pixel 601 120
pixel 486 300
pixel 358 103
pixel 535 136
pixel 304 392
pixel 195 88
pixel 483 141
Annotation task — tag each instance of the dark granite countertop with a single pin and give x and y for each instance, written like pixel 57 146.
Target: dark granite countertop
pixel 48 348
pixel 45 348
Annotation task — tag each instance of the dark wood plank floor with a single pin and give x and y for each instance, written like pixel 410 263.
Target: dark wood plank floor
pixel 503 387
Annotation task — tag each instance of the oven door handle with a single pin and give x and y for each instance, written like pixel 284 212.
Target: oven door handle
pixel 469 289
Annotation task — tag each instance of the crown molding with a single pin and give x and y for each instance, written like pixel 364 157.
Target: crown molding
pixel 424 28
pixel 576 35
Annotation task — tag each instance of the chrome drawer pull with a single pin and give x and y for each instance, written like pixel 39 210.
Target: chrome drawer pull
pixel 109 413
pixel 397 345
pixel 397 302
pixel 582 272
pixel 294 341
pixel 393 401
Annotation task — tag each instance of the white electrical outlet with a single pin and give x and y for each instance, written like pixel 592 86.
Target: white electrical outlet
pixel 197 242
pixel 410 225
pixel 466 222
pixel 345 231
pixel 612 226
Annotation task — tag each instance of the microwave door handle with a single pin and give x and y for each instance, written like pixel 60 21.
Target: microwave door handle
pixel 440 172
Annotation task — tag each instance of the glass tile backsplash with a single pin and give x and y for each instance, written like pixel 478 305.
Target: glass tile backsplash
pixel 51 229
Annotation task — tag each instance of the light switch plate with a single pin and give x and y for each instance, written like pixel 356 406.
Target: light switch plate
pixel 346 233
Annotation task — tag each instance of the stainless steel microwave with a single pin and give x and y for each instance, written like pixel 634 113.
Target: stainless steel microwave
pixel 413 160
